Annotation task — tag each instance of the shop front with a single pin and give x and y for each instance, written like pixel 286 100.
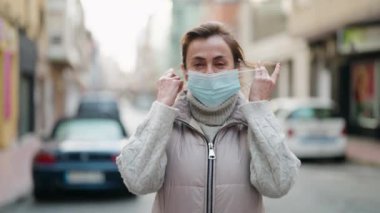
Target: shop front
pixel 360 47
pixel 345 57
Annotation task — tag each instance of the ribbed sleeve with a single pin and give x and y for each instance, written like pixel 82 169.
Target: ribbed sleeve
pixel 143 160
pixel 273 166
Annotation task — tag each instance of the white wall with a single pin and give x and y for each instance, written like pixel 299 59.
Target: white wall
pixel 65 31
pixel 312 18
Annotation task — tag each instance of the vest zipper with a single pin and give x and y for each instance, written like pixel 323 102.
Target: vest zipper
pixel 210 170
pixel 211 151
pixel 210 176
pixel 210 165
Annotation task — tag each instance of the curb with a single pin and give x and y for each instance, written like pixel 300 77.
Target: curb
pixel 16 168
pixel 12 205
pixel 365 151
pixel 363 162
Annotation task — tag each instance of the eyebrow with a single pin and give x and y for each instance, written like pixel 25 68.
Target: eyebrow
pixel 219 57
pixel 197 58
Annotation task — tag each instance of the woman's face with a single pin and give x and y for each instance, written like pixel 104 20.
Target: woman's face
pixel 209 55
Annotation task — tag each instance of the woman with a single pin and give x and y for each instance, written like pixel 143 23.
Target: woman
pixel 208 149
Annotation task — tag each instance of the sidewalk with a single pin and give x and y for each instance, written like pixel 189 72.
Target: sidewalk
pixel 16 169
pixel 363 150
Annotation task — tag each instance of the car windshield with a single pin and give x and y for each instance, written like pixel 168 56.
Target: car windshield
pixel 89 129
pixel 308 113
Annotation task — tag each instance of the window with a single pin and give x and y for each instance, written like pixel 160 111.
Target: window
pixel 312 113
pixel 89 129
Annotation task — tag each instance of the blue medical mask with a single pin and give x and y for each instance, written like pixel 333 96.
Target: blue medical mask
pixel 213 89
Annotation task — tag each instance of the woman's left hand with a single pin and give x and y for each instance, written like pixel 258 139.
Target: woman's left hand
pixel 263 84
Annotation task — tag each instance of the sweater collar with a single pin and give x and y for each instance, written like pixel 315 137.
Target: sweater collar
pixel 212 116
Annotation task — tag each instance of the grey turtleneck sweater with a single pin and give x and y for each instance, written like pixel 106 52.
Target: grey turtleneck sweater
pixel 211 119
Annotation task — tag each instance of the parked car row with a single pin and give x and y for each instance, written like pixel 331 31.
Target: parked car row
pixel 80 153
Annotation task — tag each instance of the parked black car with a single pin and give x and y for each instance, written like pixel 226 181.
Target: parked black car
pixel 80 156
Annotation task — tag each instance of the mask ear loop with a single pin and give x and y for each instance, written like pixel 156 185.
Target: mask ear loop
pixel 178 71
pixel 246 80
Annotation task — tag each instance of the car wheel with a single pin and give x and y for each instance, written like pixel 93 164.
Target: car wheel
pixel 41 195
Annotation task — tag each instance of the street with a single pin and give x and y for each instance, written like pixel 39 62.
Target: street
pixel 79 76
pixel 326 187
pixel 320 187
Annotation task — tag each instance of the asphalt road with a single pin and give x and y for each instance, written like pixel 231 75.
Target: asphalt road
pixel 335 188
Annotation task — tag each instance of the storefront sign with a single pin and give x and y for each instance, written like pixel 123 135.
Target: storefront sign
pixel 8 49
pixel 7 70
pixel 359 39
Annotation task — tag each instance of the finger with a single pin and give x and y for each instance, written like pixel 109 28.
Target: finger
pixel 176 78
pixel 276 72
pixel 169 77
pixel 170 72
pixel 260 72
pixel 180 86
pixel 175 74
pixel 259 64
pixel 256 65
pixel 265 72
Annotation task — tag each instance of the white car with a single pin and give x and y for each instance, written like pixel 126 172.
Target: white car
pixel 312 128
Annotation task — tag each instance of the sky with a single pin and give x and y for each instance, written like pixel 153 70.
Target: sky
pixel 116 25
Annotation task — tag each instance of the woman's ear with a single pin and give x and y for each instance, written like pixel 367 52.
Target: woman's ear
pixel 184 71
pixel 238 65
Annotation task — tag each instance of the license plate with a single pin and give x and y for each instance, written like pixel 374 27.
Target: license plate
pixel 318 139
pixel 85 177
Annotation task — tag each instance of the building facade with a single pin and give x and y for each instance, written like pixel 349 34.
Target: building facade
pixel 20 25
pixel 43 58
pixel 345 52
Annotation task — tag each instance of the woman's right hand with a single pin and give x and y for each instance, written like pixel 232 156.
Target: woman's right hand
pixel 169 85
